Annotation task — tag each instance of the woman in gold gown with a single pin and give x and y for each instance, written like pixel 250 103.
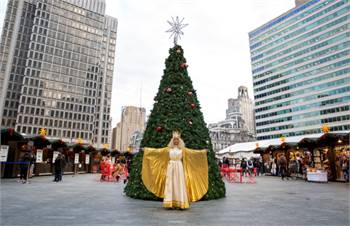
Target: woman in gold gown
pixel 175 173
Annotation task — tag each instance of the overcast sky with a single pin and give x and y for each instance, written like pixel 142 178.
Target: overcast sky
pixel 215 44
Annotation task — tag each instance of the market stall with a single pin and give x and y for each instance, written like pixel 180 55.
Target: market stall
pixel 325 156
pixel 11 142
pixel 43 155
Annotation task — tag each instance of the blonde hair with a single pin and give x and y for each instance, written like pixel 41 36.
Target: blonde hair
pixel 181 144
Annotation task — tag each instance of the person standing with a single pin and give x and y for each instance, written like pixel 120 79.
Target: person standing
pixel 278 173
pixel 282 162
pixel 256 164
pixel 244 167
pixel 273 168
pixel 261 166
pixel 32 164
pixel 58 168
pixel 250 167
pixel 181 173
pixel 345 168
pixel 30 151
pixel 63 165
pixel 24 166
pixel 220 163
pixel 226 162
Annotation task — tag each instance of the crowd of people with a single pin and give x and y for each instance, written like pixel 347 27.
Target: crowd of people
pixel 115 171
pixel 279 166
pixel 295 168
pixel 249 166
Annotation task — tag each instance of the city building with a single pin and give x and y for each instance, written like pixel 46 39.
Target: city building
pixel 300 66
pixel 132 122
pixel 56 72
pixel 243 108
pixel 239 124
pixel 135 141
pixel 300 2
pixel 114 138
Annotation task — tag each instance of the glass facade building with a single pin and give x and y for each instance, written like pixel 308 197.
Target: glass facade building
pixel 57 60
pixel 301 73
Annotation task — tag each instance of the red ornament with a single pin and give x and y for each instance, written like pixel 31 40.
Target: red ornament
pixel 10 131
pixel 168 90
pixel 190 93
pixel 159 129
pixel 183 65
pixel 193 106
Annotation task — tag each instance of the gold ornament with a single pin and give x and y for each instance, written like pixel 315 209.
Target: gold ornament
pixel 325 128
pixel 282 139
pixel 79 141
pixel 42 132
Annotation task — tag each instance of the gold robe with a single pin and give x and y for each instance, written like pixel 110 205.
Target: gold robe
pixel 158 171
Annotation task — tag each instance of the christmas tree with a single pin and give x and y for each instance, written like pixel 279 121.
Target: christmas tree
pixel 176 107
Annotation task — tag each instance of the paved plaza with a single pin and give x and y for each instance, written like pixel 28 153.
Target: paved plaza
pixel 83 200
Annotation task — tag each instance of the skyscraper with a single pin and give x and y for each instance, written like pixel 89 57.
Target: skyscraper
pixel 132 121
pixel 238 125
pixel 56 72
pixel 242 107
pixel 300 64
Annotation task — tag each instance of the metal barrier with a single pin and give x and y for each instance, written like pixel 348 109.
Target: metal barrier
pixel 234 175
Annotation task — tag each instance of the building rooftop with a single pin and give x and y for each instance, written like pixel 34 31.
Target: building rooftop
pixel 250 146
pixel 98 6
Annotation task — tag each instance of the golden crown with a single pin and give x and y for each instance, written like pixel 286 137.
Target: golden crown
pixel 176 134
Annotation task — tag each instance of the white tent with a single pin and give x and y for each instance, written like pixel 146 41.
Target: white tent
pixel 251 146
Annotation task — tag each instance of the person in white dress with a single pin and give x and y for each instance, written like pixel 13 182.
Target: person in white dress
pixel 175 194
pixel 175 173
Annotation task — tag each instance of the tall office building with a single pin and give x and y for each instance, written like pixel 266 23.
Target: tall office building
pixel 56 68
pixel 132 122
pixel 242 107
pixel 239 124
pixel 300 64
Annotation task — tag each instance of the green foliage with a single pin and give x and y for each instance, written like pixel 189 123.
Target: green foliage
pixel 176 107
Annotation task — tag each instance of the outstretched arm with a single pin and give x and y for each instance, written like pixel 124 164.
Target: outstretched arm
pixel 196 172
pixel 154 166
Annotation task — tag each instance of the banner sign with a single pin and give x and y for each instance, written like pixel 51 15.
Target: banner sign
pixel 39 156
pixel 4 153
pixel 76 158
pixel 87 159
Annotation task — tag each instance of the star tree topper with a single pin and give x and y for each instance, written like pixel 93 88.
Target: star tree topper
pixel 176 26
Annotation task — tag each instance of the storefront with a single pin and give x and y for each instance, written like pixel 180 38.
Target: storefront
pixel 42 149
pixel 334 150
pixel 89 152
pixel 11 142
pixel 325 156
pixel 294 156
pixel 78 158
